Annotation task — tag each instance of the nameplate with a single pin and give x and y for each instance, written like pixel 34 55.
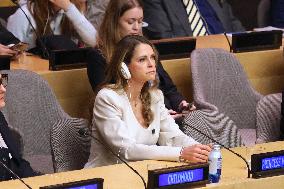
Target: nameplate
pixel 174 48
pixel 68 59
pixel 178 177
pixel 96 183
pixel 267 164
pixel 255 41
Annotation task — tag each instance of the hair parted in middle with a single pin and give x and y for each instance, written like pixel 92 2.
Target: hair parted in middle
pixel 109 34
pixel 124 52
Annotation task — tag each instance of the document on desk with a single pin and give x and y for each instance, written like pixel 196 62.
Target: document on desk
pixel 269 28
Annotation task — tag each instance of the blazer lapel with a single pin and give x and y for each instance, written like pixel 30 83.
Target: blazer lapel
pixel 178 8
pixel 6 134
pixel 216 7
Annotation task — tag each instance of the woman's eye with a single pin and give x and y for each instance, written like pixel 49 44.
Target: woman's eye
pixel 130 21
pixel 142 60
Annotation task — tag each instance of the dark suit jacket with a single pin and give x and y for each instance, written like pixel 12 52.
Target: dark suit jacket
pixel 226 16
pixel 20 166
pixel 7 37
pixel 168 18
pixel 96 68
pixel 277 13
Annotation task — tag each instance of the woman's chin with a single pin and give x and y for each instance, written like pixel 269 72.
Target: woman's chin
pixel 2 104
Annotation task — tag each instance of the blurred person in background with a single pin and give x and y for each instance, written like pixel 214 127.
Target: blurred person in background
pixel 179 18
pixel 52 17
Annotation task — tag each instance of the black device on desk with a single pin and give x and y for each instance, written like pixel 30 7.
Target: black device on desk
pixel 267 164
pixel 96 183
pixel 172 48
pixel 68 59
pixel 255 41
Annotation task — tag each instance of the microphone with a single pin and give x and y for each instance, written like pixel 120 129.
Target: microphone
pixel 230 45
pixel 240 156
pixel 42 45
pixel 86 132
pixel 282 118
pixel 14 174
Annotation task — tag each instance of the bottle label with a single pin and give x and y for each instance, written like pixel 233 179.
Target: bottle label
pixel 215 167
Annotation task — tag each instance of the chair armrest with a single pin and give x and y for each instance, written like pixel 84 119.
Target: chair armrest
pixel 70 150
pixel 268 116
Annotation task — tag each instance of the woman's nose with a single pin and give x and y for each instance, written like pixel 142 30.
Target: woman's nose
pixel 151 63
pixel 2 88
pixel 136 26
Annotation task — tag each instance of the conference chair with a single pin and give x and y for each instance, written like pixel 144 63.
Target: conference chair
pixel 220 84
pixel 71 149
pixel 269 118
pixel 50 136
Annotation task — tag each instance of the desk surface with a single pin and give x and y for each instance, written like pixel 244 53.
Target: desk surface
pixel 234 174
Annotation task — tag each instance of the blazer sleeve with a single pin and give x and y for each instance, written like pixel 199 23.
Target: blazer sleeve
pixel 85 29
pixel 7 37
pixel 172 97
pixel 20 166
pixel 24 169
pixel 96 68
pixel 108 112
pixel 20 27
pixel 156 16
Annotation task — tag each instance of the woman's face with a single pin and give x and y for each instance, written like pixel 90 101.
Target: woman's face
pixel 143 65
pixel 2 94
pixel 130 23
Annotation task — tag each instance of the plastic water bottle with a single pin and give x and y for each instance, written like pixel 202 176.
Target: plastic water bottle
pixel 215 164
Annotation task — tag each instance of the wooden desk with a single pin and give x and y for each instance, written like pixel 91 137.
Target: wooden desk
pixel 119 176
pixel 6 3
pixel 265 71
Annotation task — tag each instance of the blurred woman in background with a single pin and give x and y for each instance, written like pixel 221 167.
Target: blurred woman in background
pixel 52 17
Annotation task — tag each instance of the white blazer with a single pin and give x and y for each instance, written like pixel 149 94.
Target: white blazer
pixel 115 123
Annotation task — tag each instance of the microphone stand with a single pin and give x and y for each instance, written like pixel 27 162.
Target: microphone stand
pixel 86 132
pixel 249 171
pixel 230 45
pixel 14 174
pixel 45 51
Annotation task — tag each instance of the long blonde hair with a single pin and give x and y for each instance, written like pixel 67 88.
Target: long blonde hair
pixel 123 52
pixel 109 34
